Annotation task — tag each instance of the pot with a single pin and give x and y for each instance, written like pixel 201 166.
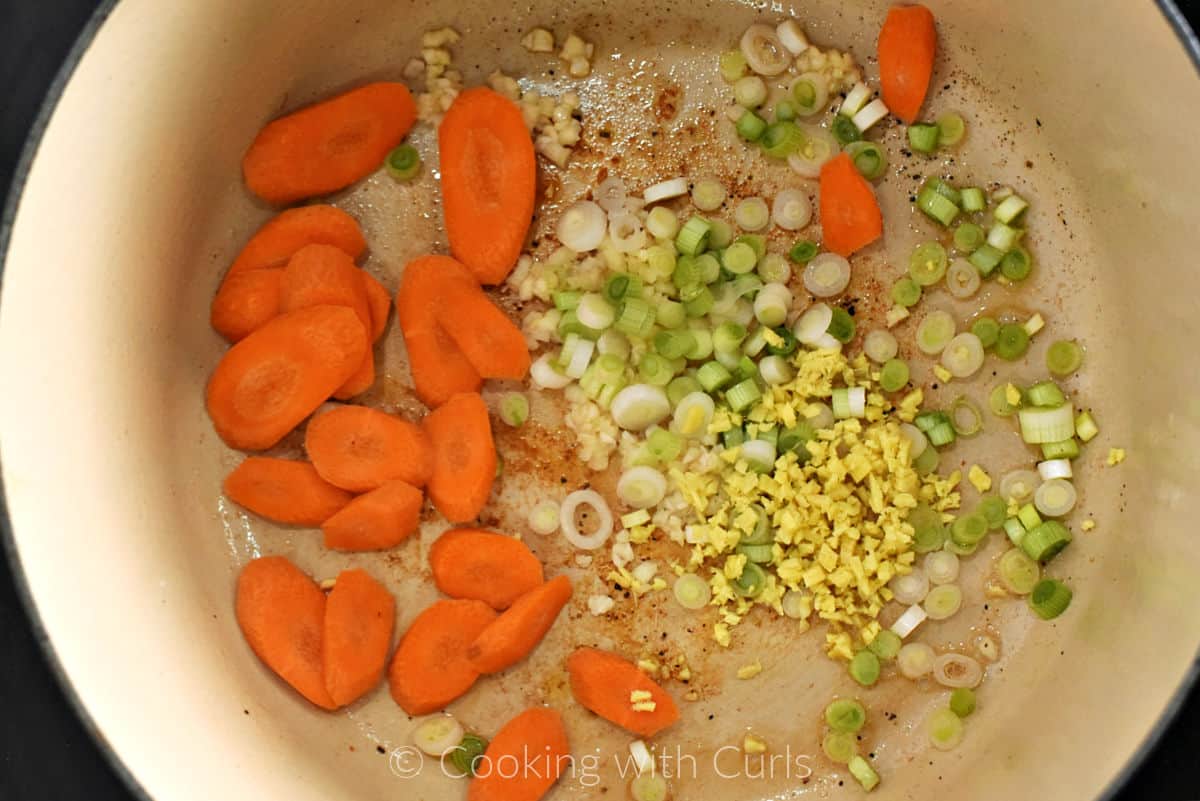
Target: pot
pixel 132 208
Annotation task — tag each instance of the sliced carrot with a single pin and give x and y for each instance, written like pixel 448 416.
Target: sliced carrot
pixel 246 302
pixel 907 46
pixel 489 178
pixel 380 303
pixel 281 613
pixel 380 519
pixel 329 145
pixel 491 342
pixel 494 568
pixel 519 629
pixel 359 616
pixel 536 742
pixel 322 275
pixel 277 376
pixel 439 368
pixel 850 216
pixel 605 683
pixel 430 668
pixel 284 490
pixel 362 379
pixel 464 457
pixel 286 232
pixel 358 448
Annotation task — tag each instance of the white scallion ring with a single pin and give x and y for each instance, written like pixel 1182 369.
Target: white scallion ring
pixel 764 53
pixel 581 227
pixel 604 519
pixel 956 670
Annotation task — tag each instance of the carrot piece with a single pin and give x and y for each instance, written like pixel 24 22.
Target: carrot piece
pixel 329 145
pixel 430 668
pixel 464 457
pixel 246 302
pixel 359 616
pixel 519 629
pixel 380 519
pixel 850 216
pixel 281 613
pixel 379 302
pixel 358 448
pixel 286 232
pixel 269 382
pixel 535 740
pixel 360 381
pixel 493 345
pixel 284 490
pixel 489 178
pixel 439 368
pixel 604 683
pixel 494 568
pixel 907 46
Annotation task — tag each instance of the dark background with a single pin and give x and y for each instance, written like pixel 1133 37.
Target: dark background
pixel 44 751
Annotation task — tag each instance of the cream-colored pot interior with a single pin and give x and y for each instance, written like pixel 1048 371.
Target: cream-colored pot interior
pixel 134 207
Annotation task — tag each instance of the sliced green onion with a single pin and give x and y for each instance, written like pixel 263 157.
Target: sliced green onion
pixel 771 304
pixel 655 369
pixel 886 645
pixel 1018 573
pixel 1055 498
pixel 848 402
pixel 962 279
pixel 923 137
pixel 567 301
pixel 1017 264
pixel 868 158
pixel 1086 427
pixel 944 189
pixel 1029 517
pixel 943 602
pixel 785 110
pixel 927 264
pixel 750 91
pixel 621 286
pixel 750 126
pixel 665 446
pixel 966 417
pixel 840 746
pixel 1044 541
pixel 927 462
pixel 703 347
pixel 1064 357
pixel 935 332
pixel 569 325
pixel 894 375
pixel 733 438
pixel 639 406
pixel 742 396
pixel 514 409
pixel 465 756
pixel 1003 237
pixel 1010 208
pixel 864 668
pixel 968 237
pixel 863 773
pixel 698 303
pixel 880 346
pixel 708 268
pixel 906 292
pixel 930 533
pixel 962 701
pixel 841 326
pixel 810 92
pixel 945 730
pixel 1012 341
pixel 403 163
pixel 752 580
pixel 713 376
pixel 708 194
pixel 1046 394
pixel 720 234
pixel 969 529
pixel 728 336
pixel 803 251
pixel 986 259
pixel 732 64
pixel 670 314
pixel 595 312
pixel 936 206
pixel 1043 425
pixel 951 128
pixel 1050 598
pixel 993 508
pixel 691 591
pixel 1015 530
pixel 636 318
pixel 846 714
pixel 827 275
pixel 753 214
pixel 973 199
pixel 844 130
pixel 739 258
pixel 693 413
pixel 758 554
pixel 987 329
pixel 963 355
pixel 782 139
pixel 674 344
pixel 693 237
pixel 1066 449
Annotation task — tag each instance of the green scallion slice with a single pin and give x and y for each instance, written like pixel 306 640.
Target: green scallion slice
pixel 1012 341
pixel 655 369
pixel 1017 264
pixel 973 199
pixel 927 264
pixel 927 462
pixel 713 376
pixel 742 395
pixel 1029 517
pixel 1050 598
pixel 1064 449
pixel 936 206
pixel 994 510
pixel 841 326
pixel 781 139
pixel 752 580
pixel 567 301
pixel 465 756
pixel 732 65
pixel 681 387
pixel 868 159
pixel 969 529
pixel 906 292
pixel 863 773
pixel 999 404
pixel 840 746
pixel 986 259
pixel 693 237
pixel 962 701
pixel 1018 573
pixel 893 376
pixel 785 110
pixel 636 318
pixel 929 531
pixel 966 417
pixel 803 251
pixel 757 554
pixel 864 668
pixel 968 237
pixel 951 128
pixel 728 336
pixel 403 163
pixel 1064 357
pixel 569 324
pixel 886 645
pixel 699 303
pixel 846 714
pixel 674 344
pixel 739 258
pixel 945 730
pixel 987 329
pixel 923 137
pixel 664 445
pixel 789 342
pixel 750 126
pixel 1010 209
pixel 1044 541
pixel 733 437
pixel 514 409
pixel 844 130
pixel 621 286
pixel 1046 394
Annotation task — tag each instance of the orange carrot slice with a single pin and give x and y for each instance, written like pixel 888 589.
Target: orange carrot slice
pixel 518 630
pixel 493 345
pixel 489 177
pixel 277 376
pixel 329 145
pixel 281 613
pixel 285 233
pixel 464 457
pixel 907 46
pixel 494 568
pixel 850 216
pixel 430 668
pixel 535 740
pixel 605 683
pixel 439 368
pixel 380 303
pixel 380 519
pixel 246 302
pixel 359 616
pixel 284 490
pixel 362 379
pixel 358 448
